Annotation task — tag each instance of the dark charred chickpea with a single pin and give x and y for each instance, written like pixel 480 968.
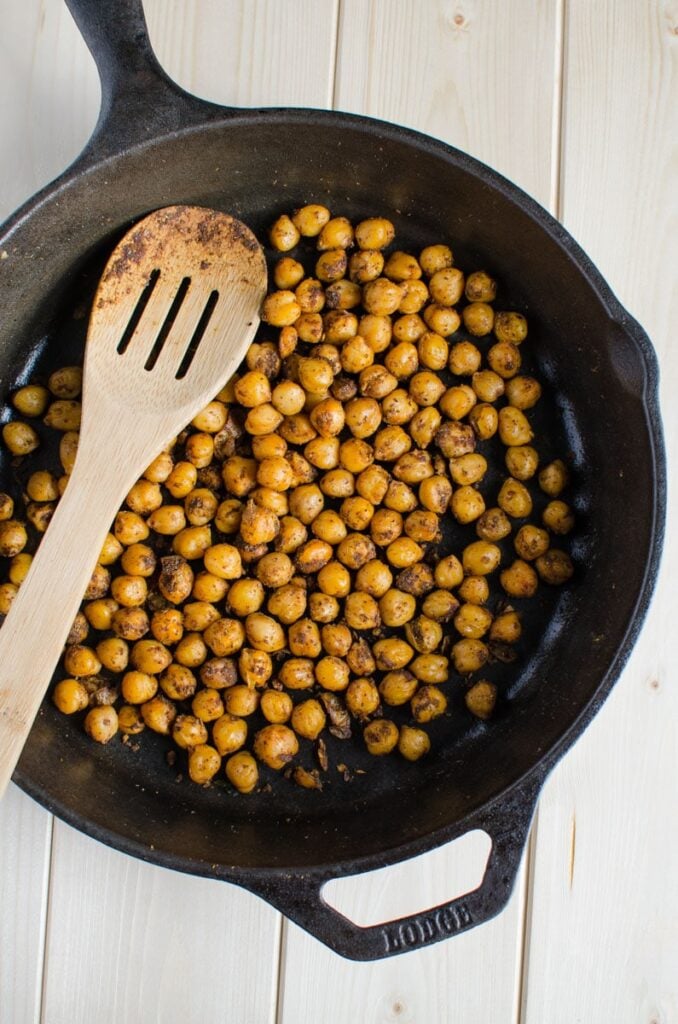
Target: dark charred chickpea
pixel 558 517
pixel 381 737
pixel 555 567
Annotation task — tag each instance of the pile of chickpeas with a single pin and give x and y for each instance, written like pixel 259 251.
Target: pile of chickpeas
pixel 279 571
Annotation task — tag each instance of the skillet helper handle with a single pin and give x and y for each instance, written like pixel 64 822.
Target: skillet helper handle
pixel 42 613
pixel 507 823
pixel 138 99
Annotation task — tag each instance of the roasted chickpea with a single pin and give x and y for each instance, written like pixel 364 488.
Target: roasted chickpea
pixel 281 308
pixel 433 351
pixel 377 331
pixel 20 438
pixel 396 607
pixel 481 699
pixel 276 746
pixel 70 695
pixel 469 655
pixel 362 698
pixel 382 297
pixel 311 219
pixel 467 504
pixel 374 233
pixel 189 732
pixel 13 538
pixel 440 605
pixel 363 416
pixel 381 736
pixel 361 611
pixel 444 320
pixel 522 461
pixel 101 723
pixel 519 579
pixel 523 392
pixel 557 516
pixel 241 701
pixel 242 771
pixel 555 567
pixel 182 479
pixel 506 628
pixel 514 498
pixel 530 542
pixel 465 359
pixel 511 327
pixel 553 478
pixel 365 265
pixel 331 265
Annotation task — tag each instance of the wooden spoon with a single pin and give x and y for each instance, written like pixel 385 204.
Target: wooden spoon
pixel 174 313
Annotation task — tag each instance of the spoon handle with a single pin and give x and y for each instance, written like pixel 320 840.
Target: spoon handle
pixel 37 625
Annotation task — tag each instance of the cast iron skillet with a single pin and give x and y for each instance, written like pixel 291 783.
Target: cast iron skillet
pixel 154 145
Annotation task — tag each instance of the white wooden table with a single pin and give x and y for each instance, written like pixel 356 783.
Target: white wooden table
pixel 576 101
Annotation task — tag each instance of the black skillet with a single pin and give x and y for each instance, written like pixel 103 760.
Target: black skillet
pixel 153 145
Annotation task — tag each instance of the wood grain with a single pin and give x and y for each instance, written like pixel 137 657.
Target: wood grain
pixel 603 942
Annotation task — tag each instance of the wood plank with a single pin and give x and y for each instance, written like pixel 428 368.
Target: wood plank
pixel 151 944
pixel 441 68
pixel 603 942
pixel 25 839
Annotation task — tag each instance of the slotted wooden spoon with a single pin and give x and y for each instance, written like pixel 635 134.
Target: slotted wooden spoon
pixel 174 313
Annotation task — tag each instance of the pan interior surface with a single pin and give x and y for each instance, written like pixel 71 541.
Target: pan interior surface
pixel 592 413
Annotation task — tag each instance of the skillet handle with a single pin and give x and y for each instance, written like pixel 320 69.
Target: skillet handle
pixel 138 99
pixel 299 896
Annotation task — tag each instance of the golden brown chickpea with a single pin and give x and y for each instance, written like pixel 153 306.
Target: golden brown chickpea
pixel 413 743
pixel 362 698
pixel 287 273
pixel 485 420
pixel 159 470
pixel 101 723
pixel 332 673
pixel 424 426
pixel 7 508
pixel 434 258
pixel 192 542
pixel 273 570
pixel 455 439
pixel 467 504
pixel 510 327
pixel 337 233
pixel 553 478
pixel 376 382
pixel 264 633
pixel 474 590
pixel 113 653
pixel 189 732
pixel 381 737
pixel 356 512
pixel 355 455
pixel 396 607
pixel 504 359
pixel 439 605
pixel 435 493
pixel 424 634
pixel 423 526
pixel 555 567
pixel 298 673
pixel 19 566
pixel 493 525
pixel 398 407
pixel 473 621
pixel 208 587
pixel 304 473
pixel 401 266
pixel 381 297
pixel 79 629
pixel 211 419
pixel 281 308
pixel 514 499
pixel 523 392
pixel 415 296
pixel 130 623
pixel 110 551
pixel 179 683
pixel 243 598
pixel 130 722
pixel 443 320
pixel 310 294
pixel 207 704
pixel 426 388
pixel 331 265
pixel 42 486
pixel 20 438
pixel 468 469
pixel 306 502
pixel 138 687
pixel 514 427
pixel 81 661
pixel 522 461
pixel 138 560
pixel 13 538
pixel 430 668
pixel 284 234
pixel 506 628
pixel 402 360
pixel 70 695
pixel 262 357
pixel 356 355
pixel 150 656
pixel 292 534
pixel 329 526
pixel 428 702
pixel 363 416
pixel 224 561
pixel 480 558
pixel 242 771
pixel 191 651
pixel 98 584
pixel 229 734
pixel 63 415
pixel 218 673
pixel 404 552
pixel 557 516
pixel 276 746
pixel 201 506
pixel 377 331
pixel 311 219
pixel 338 483
pixel 398 687
pixel 182 479
pixel 328 417
pixel 175 583
pixel 203 763
pixel 481 699
pixel 200 449
pixel 386 526
pixel 313 556
pixel 31 400
pixel 224 637
pixel 241 701
pixel 449 572
pixel 433 351
pixel 447 286
pixel 469 655
pixel 262 420
pixel 392 654
pixel 374 578
pixel 374 233
pixel 408 329
pixel 365 265
pixel 465 359
pixel 519 579
pixel 391 443
pixel 530 542
pixel 361 611
pixel 8 592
